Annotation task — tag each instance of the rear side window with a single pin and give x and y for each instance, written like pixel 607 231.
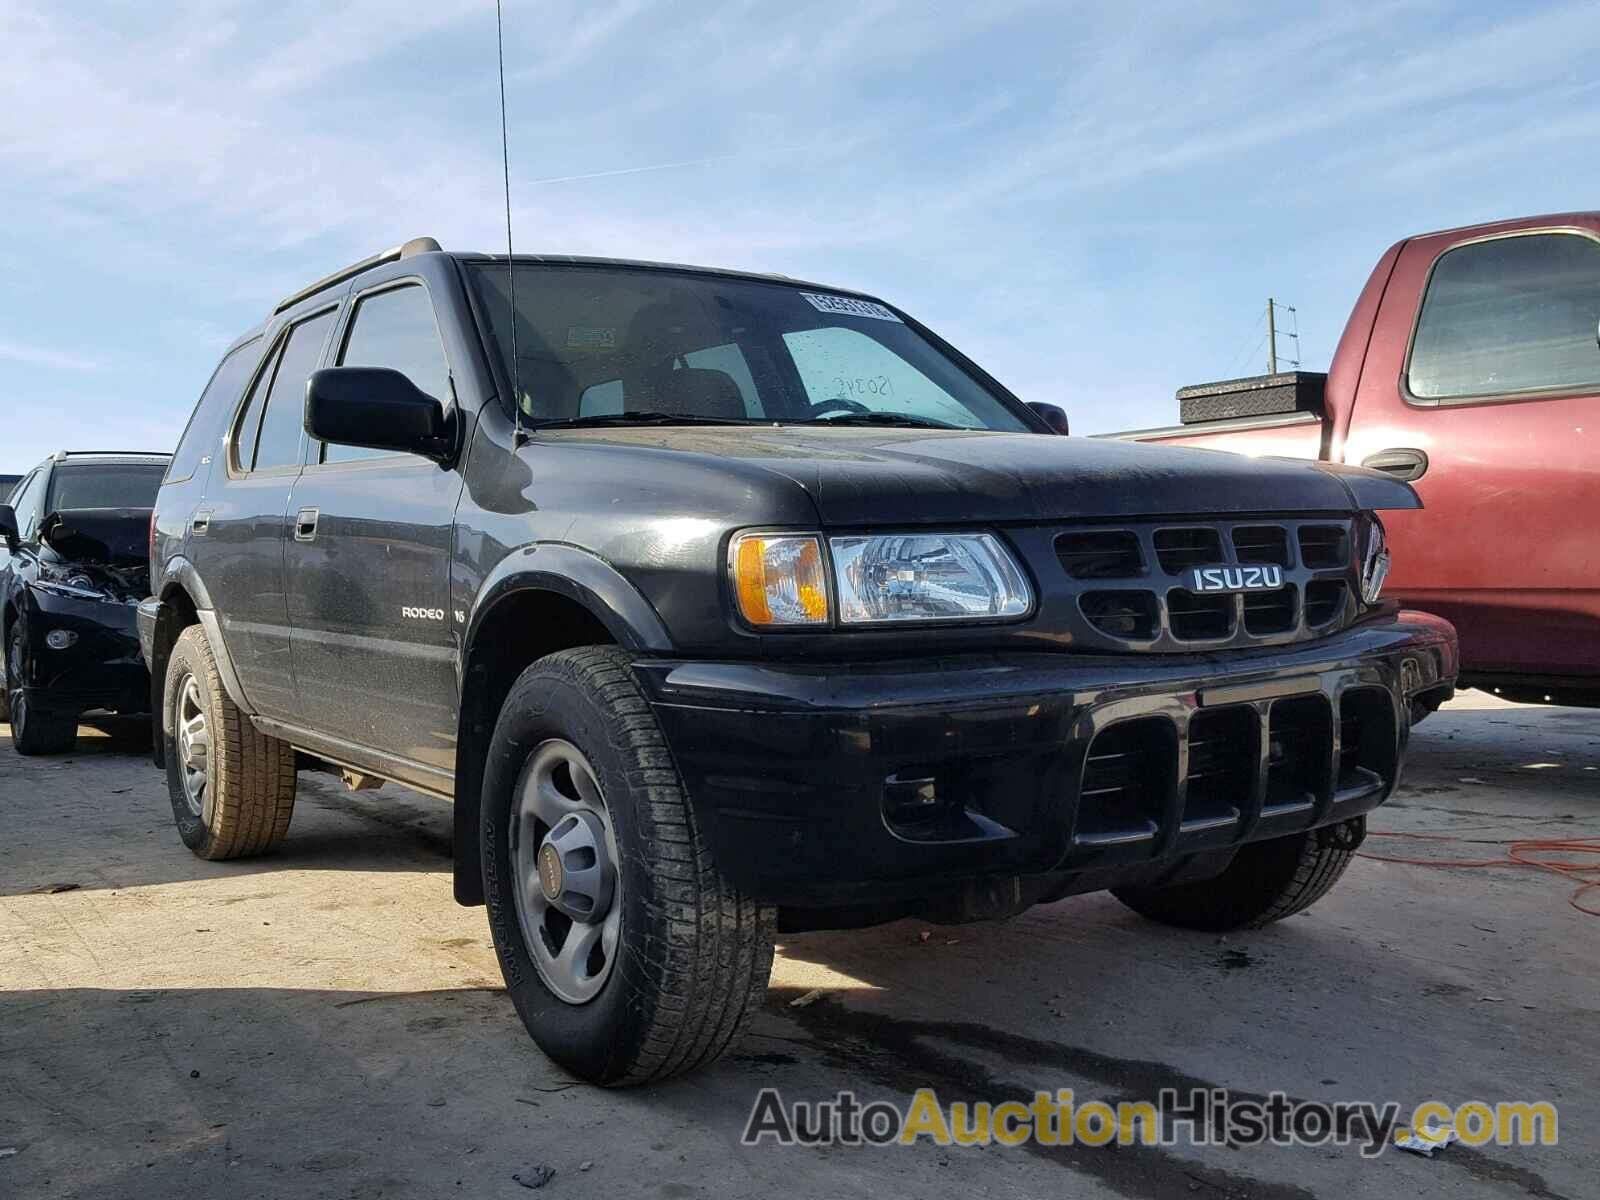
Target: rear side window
pixel 395 329
pixel 282 425
pixel 1508 316
pixel 220 396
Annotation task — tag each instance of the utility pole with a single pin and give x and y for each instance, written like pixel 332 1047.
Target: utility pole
pixel 1272 337
pixel 1293 334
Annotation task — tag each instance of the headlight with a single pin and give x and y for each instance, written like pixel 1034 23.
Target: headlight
pixel 927 577
pixel 77 584
pixel 1374 561
pixel 778 579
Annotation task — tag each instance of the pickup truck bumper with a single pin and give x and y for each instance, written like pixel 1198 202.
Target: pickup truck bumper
pixel 969 785
pixel 100 669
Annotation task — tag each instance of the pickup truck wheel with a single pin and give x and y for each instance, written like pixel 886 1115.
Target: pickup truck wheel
pixel 232 787
pixel 32 732
pixel 627 954
pixel 1265 882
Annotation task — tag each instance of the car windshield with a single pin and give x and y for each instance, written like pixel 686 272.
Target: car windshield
pixel 620 345
pixel 119 485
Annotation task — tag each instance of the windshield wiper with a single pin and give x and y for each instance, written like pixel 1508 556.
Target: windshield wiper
pixel 880 418
pixel 635 417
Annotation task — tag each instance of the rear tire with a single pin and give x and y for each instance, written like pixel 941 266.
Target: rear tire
pixel 691 954
pixel 1266 882
pixel 32 732
pixel 232 787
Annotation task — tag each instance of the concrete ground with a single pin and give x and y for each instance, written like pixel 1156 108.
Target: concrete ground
pixel 326 1022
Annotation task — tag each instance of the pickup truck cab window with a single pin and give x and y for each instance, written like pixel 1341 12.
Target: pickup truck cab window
pixel 720 349
pixel 1508 316
pixel 279 442
pixel 394 328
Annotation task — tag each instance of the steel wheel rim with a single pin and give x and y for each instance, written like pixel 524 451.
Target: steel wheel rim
pixel 194 747
pixel 559 810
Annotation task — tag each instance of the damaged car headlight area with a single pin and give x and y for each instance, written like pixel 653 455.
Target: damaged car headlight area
pixel 878 579
pixel 108 584
pixel 1374 560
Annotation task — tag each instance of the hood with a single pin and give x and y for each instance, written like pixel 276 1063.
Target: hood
pixel 110 536
pixel 858 476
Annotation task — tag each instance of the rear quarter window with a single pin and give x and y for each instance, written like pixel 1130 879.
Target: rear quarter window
pixel 203 433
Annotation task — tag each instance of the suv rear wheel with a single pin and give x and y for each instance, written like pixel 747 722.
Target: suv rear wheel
pixel 232 787
pixel 32 731
pixel 1265 882
pixel 627 954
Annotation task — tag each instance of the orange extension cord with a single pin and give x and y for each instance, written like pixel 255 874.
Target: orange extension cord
pixel 1520 852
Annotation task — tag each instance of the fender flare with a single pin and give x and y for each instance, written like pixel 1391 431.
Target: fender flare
pixel 577 574
pixel 180 572
pixel 564 570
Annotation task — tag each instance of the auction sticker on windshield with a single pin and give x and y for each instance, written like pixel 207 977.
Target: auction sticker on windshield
pixel 849 306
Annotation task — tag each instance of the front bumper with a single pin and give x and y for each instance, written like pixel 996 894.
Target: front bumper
pixel 864 784
pixel 102 669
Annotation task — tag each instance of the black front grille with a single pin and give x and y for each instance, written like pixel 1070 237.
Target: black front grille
pixel 1134 586
pixel 1194 546
pixel 1251 768
pixel 1299 742
pixel 1101 554
pixel 1126 779
pixel 1129 615
pixel 1199 618
pixel 1270 612
pixel 1222 762
pixel 1325 600
pixel 1325 547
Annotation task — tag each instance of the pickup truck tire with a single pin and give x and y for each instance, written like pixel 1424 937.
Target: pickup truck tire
pixel 691 954
pixel 1265 882
pixel 32 732
pixel 232 787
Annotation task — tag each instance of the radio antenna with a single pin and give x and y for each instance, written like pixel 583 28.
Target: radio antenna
pixel 511 271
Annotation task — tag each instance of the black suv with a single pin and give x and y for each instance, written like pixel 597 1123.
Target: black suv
pixel 76 534
pixel 724 605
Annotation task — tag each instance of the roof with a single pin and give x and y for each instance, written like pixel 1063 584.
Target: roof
pixel 647 264
pixel 1507 224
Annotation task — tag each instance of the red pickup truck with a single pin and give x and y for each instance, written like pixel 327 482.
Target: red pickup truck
pixel 1471 367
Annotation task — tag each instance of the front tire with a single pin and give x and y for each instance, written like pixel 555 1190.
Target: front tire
pixel 32 732
pixel 232 787
pixel 586 833
pixel 1265 882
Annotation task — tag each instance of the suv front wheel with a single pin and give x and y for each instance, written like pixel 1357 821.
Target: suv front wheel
pixel 232 787
pixel 627 954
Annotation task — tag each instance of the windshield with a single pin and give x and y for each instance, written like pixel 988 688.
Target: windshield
pixel 124 485
pixel 599 342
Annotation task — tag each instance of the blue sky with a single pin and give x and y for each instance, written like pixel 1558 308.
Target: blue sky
pixel 1094 202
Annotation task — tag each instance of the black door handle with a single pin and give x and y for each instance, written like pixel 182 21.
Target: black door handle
pixel 305 524
pixel 1402 463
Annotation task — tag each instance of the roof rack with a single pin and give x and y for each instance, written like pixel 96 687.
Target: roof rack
pixel 420 245
pixel 60 454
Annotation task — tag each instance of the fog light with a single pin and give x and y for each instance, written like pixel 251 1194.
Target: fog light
pixel 60 639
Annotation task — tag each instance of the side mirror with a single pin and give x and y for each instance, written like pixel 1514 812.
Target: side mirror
pixel 1052 415
pixel 9 533
pixel 379 409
